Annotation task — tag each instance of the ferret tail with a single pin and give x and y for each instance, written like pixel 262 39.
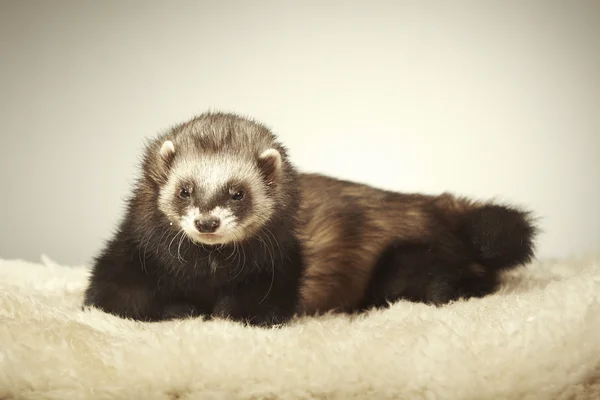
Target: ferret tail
pixel 501 237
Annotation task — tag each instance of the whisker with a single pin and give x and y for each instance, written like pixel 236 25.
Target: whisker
pixel 233 251
pixel 142 255
pixel 171 243
pixel 183 235
pixel 240 266
pixel 272 272
pixel 161 240
pixel 277 243
pixel 265 248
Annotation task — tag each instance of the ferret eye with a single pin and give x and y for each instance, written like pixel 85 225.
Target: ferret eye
pixel 184 193
pixel 237 195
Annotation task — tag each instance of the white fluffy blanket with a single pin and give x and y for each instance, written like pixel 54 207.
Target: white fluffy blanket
pixel 539 338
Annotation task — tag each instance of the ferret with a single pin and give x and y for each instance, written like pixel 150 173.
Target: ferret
pixel 222 224
pixel 209 229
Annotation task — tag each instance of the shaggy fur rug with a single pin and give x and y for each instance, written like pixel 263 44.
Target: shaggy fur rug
pixel 538 338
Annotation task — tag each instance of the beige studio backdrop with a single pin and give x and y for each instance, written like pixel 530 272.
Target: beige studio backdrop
pixel 484 98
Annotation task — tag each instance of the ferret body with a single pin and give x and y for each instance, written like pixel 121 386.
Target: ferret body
pixel 221 224
pixel 366 247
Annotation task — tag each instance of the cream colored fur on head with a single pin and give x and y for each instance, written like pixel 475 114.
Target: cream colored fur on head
pixel 539 338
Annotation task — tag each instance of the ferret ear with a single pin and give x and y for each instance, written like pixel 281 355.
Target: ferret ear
pixel 167 150
pixel 270 164
pixel 158 163
pixel 167 154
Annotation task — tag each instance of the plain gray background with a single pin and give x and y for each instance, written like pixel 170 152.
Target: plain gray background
pixel 494 99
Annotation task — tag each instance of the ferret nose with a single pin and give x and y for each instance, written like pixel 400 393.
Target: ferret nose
pixel 207 225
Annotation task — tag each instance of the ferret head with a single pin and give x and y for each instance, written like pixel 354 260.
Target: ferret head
pixel 219 178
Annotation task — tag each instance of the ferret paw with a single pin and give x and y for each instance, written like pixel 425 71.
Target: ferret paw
pixel 267 321
pixel 179 311
pixel 227 308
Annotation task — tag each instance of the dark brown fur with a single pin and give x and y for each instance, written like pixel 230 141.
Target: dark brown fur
pixel 365 246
